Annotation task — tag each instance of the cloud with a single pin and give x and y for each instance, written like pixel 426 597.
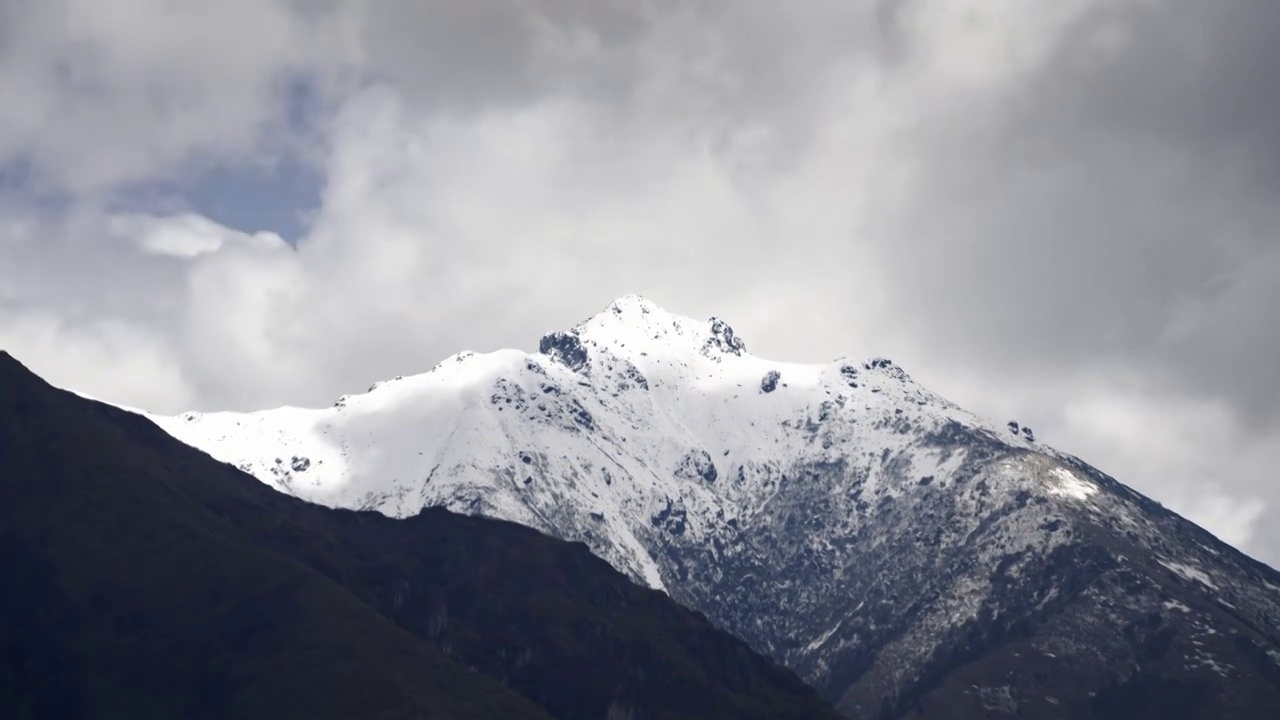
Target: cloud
pixel 1121 201
pixel 99 95
pixel 117 358
pixel 1063 214
pixel 1179 448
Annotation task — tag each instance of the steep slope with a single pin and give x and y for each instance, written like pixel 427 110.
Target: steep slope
pixel 144 579
pixel 898 552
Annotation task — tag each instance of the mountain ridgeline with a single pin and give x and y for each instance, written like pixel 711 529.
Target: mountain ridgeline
pixel 144 579
pixel 903 556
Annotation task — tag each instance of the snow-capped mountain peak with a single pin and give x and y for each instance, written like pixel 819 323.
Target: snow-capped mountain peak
pixel 838 515
pixel 668 403
pixel 639 330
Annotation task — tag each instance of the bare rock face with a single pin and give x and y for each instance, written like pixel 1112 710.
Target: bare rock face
pixel 904 556
pixel 564 347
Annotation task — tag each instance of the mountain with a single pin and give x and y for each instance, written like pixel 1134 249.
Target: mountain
pixel 144 579
pixel 902 555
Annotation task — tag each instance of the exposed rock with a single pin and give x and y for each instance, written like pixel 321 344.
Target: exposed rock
pixel 723 340
pixel 565 347
pixel 671 518
pixel 697 464
pixel 769 382
pixel 850 375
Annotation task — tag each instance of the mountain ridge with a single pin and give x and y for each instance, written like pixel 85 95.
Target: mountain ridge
pixel 864 531
pixel 642 350
pixel 152 581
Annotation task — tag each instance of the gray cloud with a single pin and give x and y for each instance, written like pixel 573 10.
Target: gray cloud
pixel 1126 196
pixel 1116 208
pixel 1064 213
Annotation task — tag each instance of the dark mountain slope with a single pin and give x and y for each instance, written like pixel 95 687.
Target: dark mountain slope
pixel 1133 613
pixel 145 579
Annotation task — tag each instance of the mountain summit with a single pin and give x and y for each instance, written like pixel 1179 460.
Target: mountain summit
pixel 903 555
pixel 634 413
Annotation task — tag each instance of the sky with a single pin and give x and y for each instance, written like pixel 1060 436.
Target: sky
pixel 1065 213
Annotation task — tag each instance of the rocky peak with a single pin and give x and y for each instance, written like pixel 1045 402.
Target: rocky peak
pixel 637 327
pixel 633 304
pixel 723 339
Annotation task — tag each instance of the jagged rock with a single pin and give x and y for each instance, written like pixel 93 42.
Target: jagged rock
pixel 672 518
pixel 565 347
pixel 769 382
pixel 850 375
pixel 697 464
pixel 723 339
pixel 632 377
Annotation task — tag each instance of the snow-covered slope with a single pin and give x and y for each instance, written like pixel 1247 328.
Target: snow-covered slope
pixel 865 531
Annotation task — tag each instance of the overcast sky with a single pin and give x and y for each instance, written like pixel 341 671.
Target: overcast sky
pixel 1062 212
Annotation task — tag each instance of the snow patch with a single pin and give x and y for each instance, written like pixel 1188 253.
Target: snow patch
pixel 1069 485
pixel 1190 572
pixel 824 637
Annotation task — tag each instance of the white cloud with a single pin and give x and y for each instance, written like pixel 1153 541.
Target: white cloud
pixel 104 357
pixel 185 236
pixel 103 93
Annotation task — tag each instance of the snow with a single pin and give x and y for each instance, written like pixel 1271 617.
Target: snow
pixel 1190 572
pixel 1176 605
pixel 531 439
pixel 822 639
pixel 455 435
pixel 1067 484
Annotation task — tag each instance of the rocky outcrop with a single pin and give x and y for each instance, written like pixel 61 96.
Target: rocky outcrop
pixel 723 340
pixel 769 382
pixel 564 347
